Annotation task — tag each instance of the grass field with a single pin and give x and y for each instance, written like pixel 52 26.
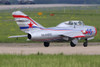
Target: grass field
pixel 8 27
pixel 40 60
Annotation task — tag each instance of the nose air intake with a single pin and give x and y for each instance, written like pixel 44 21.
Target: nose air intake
pixel 29 36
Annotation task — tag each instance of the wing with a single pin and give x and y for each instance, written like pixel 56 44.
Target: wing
pixel 73 34
pixel 17 36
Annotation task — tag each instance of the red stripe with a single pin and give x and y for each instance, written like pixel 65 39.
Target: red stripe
pixel 78 36
pixel 95 30
pixel 20 16
pixel 55 30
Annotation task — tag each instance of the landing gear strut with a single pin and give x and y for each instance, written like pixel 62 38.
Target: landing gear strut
pixel 46 44
pixel 72 44
pixel 85 44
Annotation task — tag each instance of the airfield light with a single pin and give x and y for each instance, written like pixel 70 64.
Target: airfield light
pixel 51 14
pixel 40 13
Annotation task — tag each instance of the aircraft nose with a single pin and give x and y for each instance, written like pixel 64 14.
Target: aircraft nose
pixel 95 30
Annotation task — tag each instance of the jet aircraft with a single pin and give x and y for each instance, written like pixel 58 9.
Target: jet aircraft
pixel 68 31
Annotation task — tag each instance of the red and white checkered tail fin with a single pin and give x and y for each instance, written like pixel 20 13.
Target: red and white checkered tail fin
pixel 25 22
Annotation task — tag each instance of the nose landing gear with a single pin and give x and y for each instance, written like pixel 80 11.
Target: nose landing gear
pixel 85 44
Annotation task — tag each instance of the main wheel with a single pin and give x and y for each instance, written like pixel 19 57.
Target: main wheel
pixel 72 44
pixel 46 44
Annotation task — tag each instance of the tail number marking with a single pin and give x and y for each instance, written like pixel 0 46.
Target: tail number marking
pixel 46 35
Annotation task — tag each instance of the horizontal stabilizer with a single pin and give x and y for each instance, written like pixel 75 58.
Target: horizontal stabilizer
pixel 17 36
pixel 90 38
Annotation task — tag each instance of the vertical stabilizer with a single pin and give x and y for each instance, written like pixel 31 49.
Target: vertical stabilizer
pixel 25 22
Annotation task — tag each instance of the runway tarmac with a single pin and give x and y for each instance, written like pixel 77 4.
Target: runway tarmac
pixel 5 7
pixel 55 48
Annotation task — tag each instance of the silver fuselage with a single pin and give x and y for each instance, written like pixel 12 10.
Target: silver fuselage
pixel 55 33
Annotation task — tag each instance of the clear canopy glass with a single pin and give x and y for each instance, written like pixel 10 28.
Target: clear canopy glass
pixel 74 23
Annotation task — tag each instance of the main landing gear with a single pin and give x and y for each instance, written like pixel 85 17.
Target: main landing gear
pixel 85 44
pixel 46 44
pixel 72 44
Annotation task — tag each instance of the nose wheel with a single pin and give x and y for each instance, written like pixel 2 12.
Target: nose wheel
pixel 46 44
pixel 85 44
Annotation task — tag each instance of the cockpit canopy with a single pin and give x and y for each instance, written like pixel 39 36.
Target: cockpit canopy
pixel 74 23
pixel 71 23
